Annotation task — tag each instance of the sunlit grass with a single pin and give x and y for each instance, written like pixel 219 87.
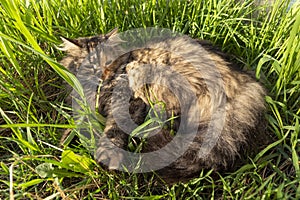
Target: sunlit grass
pixel 33 117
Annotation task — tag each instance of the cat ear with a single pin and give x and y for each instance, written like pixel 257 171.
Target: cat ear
pixel 111 33
pixel 69 44
pixel 113 37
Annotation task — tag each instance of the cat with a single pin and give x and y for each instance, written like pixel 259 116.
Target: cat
pixel 178 73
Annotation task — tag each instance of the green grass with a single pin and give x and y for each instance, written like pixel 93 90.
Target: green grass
pixel 33 116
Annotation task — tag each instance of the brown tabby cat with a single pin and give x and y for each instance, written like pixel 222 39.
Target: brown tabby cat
pixel 208 96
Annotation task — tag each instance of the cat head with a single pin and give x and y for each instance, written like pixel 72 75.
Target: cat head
pixel 79 48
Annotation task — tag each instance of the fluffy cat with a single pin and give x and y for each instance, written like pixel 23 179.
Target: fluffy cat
pixel 178 73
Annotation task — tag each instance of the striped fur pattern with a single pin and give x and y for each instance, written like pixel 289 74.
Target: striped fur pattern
pixel 239 94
